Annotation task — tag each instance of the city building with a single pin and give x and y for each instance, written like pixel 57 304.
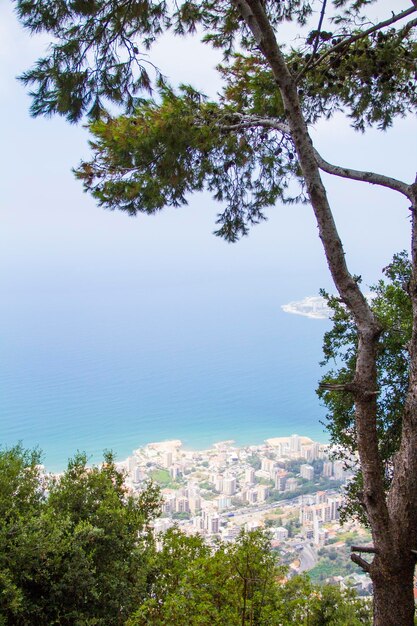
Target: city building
pixel 327 469
pixel 295 443
pixel 249 476
pixel 280 480
pixel 229 485
pixel 307 472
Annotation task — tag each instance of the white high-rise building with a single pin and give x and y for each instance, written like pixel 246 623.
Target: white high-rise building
pixel 182 505
pixel 339 471
pixel 194 503
pixel 267 465
pixel 291 484
pixel 213 524
pixel 251 496
pixel 263 492
pixel 321 497
pixel 224 503
pixel 229 486
pixel 174 471
pixel 294 443
pixel 327 469
pixel 166 459
pixel 317 528
pixel 334 503
pixel 307 472
pixel 280 480
pixel 249 476
pixel 218 483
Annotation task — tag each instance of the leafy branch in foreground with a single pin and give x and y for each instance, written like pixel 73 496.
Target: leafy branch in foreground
pixel 162 152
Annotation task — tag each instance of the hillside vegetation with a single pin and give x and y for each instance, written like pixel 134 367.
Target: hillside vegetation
pixel 78 550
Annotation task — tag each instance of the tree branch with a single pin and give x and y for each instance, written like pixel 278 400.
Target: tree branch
pixel 257 21
pixel 368 549
pixel 337 386
pixel 366 177
pixel 361 562
pixel 373 29
pixel 316 43
pixel 249 121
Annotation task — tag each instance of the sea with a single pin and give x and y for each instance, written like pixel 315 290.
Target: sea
pixel 118 368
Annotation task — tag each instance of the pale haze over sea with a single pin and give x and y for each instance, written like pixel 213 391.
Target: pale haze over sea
pixel 115 331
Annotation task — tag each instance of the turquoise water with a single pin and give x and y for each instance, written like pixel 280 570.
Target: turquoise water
pixel 114 369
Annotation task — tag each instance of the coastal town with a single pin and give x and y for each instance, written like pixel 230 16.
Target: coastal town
pixel 289 485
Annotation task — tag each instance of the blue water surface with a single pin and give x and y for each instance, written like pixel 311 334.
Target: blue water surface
pixel 119 367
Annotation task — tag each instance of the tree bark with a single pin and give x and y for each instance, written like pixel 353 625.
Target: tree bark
pixel 393 594
pixel 393 572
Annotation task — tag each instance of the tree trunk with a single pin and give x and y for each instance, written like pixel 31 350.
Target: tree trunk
pixel 393 592
pixel 392 572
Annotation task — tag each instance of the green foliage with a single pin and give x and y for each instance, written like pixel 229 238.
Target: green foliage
pixel 94 58
pixel 73 550
pixel 392 306
pixel 306 487
pixel 181 515
pixel 99 49
pixel 254 461
pixel 236 584
pixel 332 563
pixel 162 478
pixel 167 150
pixel 334 608
pixel 76 550
pixel 207 486
pixel 265 481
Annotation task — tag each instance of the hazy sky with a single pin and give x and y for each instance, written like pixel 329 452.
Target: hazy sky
pixel 51 230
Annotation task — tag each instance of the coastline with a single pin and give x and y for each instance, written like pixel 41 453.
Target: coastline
pixel 317 433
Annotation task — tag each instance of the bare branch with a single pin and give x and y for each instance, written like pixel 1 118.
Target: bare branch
pixel 337 386
pixel 361 562
pixel 368 549
pixel 373 29
pixel 250 121
pixel 365 177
